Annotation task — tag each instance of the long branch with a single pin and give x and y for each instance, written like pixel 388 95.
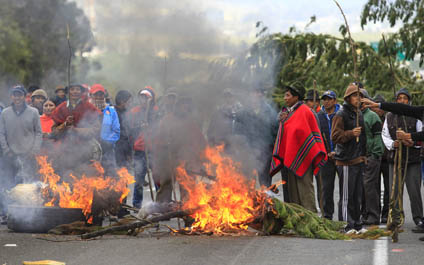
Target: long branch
pixel 137 224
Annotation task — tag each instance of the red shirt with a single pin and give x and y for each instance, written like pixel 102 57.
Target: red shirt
pixel 46 123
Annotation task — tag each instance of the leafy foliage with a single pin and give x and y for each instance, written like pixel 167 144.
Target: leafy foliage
pixel 410 14
pixel 306 57
pixel 34 35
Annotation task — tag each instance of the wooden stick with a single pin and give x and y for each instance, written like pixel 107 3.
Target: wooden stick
pixel 355 71
pixel 319 176
pixel 146 152
pixel 70 55
pixel 137 224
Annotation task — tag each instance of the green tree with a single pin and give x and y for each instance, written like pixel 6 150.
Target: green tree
pixel 306 57
pixel 39 30
pixel 410 14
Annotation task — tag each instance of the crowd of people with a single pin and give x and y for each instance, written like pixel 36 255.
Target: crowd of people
pixel 356 141
pixel 149 136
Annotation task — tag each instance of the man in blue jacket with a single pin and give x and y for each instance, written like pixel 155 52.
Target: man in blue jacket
pixel 328 172
pixel 110 129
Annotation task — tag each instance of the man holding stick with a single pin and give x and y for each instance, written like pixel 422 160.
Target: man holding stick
pixel 407 138
pixel 350 158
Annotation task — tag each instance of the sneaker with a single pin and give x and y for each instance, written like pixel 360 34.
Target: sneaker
pixel 367 222
pixel 419 228
pixel 421 238
pixel 351 232
pixel 362 231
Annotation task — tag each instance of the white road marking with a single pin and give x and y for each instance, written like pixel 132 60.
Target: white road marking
pixel 381 252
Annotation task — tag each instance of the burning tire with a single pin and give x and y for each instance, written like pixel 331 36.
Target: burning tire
pixel 40 219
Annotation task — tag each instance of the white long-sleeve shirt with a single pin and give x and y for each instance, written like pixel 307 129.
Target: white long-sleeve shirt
pixel 387 139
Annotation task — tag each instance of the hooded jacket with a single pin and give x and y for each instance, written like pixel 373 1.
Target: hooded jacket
pixel 111 128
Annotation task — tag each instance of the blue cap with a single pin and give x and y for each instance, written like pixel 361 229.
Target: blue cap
pixel 18 88
pixel 329 93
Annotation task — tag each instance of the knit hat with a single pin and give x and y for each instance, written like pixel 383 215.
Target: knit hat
pixel 405 92
pixel 379 98
pixel 351 89
pixel 310 95
pixel 39 92
pixel 18 88
pixel 297 89
pixel 365 93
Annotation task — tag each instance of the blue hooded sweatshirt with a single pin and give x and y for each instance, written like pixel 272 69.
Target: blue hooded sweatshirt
pixel 111 129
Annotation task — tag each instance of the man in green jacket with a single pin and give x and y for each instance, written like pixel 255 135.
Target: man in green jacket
pixel 375 149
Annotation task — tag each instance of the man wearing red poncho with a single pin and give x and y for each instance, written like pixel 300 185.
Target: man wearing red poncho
pixel 299 148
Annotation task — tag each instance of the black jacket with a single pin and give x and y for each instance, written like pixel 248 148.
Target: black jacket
pixel 407 110
pixel 347 149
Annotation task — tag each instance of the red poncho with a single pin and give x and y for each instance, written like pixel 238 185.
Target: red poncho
pixel 84 111
pixel 299 144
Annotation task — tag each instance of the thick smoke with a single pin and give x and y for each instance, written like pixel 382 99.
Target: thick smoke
pixel 168 44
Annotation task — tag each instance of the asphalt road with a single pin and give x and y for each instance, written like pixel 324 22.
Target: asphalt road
pixel 162 248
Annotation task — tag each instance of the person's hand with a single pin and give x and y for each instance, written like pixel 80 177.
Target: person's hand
pixel 408 143
pixel 401 135
pixel 331 155
pixel 357 131
pixel 282 116
pixel 368 103
pixel 396 144
pixel 69 120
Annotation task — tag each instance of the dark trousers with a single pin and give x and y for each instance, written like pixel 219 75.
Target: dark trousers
pixel 123 154
pixel 413 185
pixel 108 159
pixel 351 181
pixel 284 178
pixel 371 195
pixel 263 170
pixel 140 170
pixel 328 176
pixel 384 171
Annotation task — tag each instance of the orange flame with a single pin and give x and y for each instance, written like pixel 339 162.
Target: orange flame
pixel 79 194
pixel 226 205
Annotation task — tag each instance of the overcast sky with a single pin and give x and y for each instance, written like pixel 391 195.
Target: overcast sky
pixel 239 16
